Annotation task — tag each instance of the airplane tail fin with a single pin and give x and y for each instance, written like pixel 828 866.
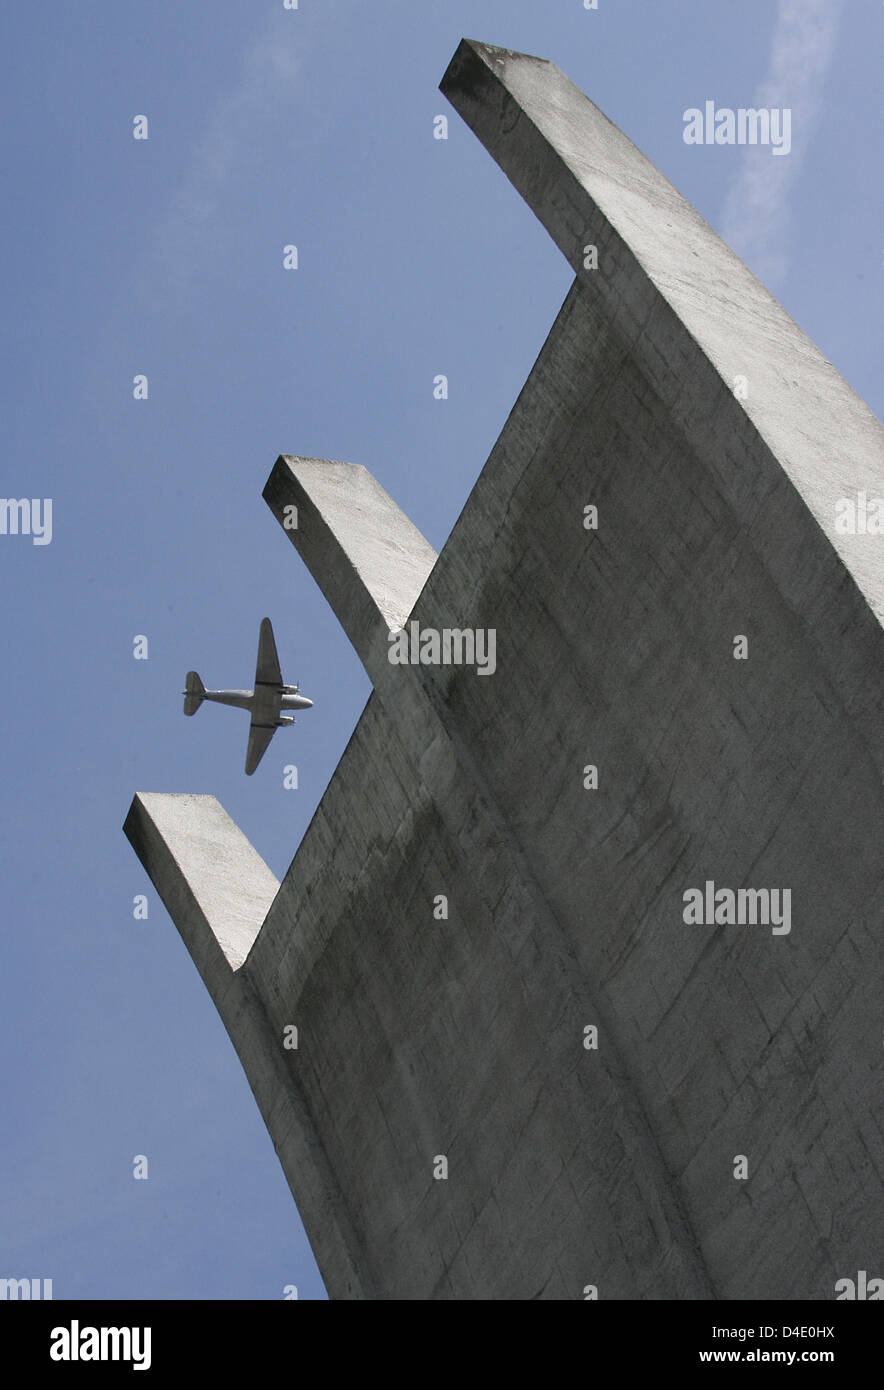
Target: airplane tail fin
pixel 193 693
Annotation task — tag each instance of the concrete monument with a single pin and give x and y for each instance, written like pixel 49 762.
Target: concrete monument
pixel 583 946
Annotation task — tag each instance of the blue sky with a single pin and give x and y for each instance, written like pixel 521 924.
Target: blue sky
pixel 164 257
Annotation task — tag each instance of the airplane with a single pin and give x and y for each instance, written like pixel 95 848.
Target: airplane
pixel 265 702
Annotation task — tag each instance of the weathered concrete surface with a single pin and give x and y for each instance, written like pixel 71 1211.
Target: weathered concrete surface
pixel 370 560
pixel 217 890
pixel 464 1037
pixel 589 184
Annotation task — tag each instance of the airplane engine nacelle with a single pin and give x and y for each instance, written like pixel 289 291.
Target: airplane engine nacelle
pixel 290 689
pixel 285 719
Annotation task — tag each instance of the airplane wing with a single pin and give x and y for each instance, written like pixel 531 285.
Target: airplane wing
pixel 267 671
pixel 267 674
pixel 259 740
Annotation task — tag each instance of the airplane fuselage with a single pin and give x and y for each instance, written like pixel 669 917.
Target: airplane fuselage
pixel 268 699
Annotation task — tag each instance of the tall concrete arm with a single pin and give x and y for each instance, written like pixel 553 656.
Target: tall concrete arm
pixel 366 555
pixel 589 184
pixel 218 891
pixel 214 884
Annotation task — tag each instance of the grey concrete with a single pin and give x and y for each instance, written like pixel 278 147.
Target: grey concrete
pixel 217 890
pixel 368 557
pixel 588 183
pixel 464 1037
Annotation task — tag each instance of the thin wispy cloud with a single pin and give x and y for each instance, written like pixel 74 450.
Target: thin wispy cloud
pixel 756 215
pixel 199 227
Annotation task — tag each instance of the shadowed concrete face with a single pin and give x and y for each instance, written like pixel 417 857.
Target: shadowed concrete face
pixel 588 184
pixel 465 1034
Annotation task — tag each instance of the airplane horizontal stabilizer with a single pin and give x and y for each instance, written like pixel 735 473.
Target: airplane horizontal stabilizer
pixel 194 690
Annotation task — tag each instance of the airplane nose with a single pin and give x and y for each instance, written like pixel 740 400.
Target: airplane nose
pixel 308 704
